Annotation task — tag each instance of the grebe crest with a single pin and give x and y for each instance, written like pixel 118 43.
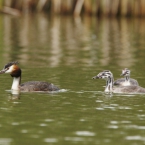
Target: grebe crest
pixel 126 72
pixel 13 69
pixel 105 74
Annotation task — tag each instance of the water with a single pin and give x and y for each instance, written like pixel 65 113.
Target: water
pixel 69 52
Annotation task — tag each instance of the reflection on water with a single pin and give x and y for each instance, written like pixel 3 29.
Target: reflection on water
pixel 64 39
pixel 5 141
pixel 13 95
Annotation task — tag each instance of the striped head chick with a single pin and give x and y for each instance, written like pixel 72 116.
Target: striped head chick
pixel 126 72
pixel 106 74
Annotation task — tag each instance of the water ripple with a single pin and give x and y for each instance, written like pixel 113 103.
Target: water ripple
pixel 85 133
pixel 137 137
pixel 100 108
pixel 113 126
pixel 49 120
pixel 43 124
pixel 50 140
pixel 74 139
pixel 5 141
pixel 136 127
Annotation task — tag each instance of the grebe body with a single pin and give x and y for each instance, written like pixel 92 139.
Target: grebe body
pixel 38 86
pixel 126 81
pixel 32 86
pixel 108 76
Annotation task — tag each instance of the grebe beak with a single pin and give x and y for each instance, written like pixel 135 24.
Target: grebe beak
pixel 3 71
pixel 96 77
pixel 122 75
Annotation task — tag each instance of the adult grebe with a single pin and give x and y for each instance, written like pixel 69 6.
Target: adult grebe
pixel 13 69
pixel 127 81
pixel 108 76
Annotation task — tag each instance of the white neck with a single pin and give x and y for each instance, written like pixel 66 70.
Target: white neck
pixel 127 79
pixel 109 85
pixel 16 83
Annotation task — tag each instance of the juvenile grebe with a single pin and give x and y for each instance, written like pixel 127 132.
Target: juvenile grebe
pixel 127 81
pixel 13 69
pixel 108 76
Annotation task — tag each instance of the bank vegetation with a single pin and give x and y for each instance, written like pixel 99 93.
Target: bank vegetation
pixel 111 8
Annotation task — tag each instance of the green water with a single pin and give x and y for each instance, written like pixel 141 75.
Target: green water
pixel 69 52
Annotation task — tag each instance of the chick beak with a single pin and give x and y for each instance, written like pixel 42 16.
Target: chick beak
pixel 95 77
pixel 122 75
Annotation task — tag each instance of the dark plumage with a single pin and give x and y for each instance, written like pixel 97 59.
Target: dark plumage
pixel 33 86
pixel 38 86
pixel 10 64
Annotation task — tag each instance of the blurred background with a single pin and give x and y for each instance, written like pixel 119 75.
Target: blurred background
pixel 102 30
pixel 76 7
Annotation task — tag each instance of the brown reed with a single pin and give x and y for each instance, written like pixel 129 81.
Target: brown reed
pixel 77 7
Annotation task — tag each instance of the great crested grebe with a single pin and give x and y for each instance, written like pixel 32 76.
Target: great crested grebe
pixel 13 69
pixel 127 81
pixel 108 76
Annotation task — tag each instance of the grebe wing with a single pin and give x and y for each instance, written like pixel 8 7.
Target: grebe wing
pixel 119 81
pixel 38 86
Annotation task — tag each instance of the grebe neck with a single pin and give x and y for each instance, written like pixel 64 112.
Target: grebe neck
pixel 109 85
pixel 127 79
pixel 16 83
pixel 16 79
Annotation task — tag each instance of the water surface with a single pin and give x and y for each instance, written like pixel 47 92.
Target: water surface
pixel 69 52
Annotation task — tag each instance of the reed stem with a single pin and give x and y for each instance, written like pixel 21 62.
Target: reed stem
pixel 76 7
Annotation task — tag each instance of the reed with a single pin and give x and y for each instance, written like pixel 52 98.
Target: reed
pixel 77 7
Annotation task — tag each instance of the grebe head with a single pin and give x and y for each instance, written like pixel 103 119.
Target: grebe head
pixel 125 72
pixel 12 68
pixel 106 74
